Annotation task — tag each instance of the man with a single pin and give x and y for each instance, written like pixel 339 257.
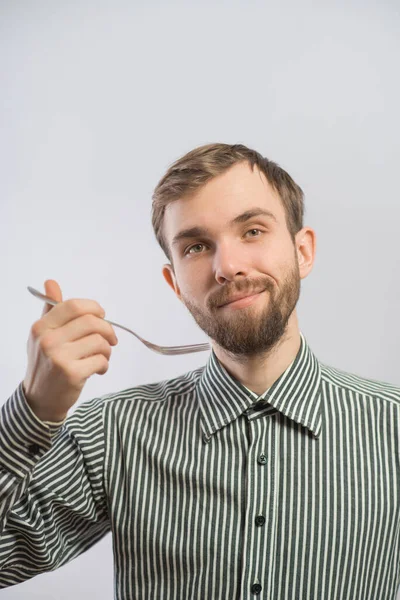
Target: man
pixel 263 474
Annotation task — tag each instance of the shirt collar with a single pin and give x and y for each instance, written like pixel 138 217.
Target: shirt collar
pixel 296 393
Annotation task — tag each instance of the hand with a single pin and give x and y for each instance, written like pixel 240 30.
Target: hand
pixel 66 346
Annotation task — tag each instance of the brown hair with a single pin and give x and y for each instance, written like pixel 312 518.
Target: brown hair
pixel 194 169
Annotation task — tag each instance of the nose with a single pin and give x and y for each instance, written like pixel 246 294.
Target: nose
pixel 229 263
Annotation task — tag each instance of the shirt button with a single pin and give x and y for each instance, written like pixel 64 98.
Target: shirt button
pixel 260 520
pixel 262 459
pixel 256 588
pixel 33 449
pixel 259 405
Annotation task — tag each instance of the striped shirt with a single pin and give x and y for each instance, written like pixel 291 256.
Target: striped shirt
pixel 211 491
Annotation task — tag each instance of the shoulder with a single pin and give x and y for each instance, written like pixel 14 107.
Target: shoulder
pixel 95 410
pixel 363 386
pixel 159 391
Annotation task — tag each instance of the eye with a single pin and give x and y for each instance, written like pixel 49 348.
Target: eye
pixel 194 246
pixel 188 251
pixel 254 230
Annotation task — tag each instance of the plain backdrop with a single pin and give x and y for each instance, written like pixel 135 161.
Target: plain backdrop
pixel 99 98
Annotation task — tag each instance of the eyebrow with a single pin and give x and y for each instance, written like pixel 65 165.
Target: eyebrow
pixel 196 231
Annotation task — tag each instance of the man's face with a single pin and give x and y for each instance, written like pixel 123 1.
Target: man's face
pixel 234 258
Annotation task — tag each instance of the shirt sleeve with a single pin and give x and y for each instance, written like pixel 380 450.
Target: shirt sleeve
pixel 53 504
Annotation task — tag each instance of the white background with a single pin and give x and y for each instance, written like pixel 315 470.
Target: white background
pixel 98 98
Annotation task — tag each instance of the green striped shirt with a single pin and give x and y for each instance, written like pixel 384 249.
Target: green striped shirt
pixel 210 491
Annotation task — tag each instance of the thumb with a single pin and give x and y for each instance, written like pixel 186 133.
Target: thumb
pixel 53 290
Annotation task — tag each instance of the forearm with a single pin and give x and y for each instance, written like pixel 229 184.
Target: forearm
pixel 24 439
pixel 51 504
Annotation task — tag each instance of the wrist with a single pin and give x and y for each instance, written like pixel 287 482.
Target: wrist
pixel 43 414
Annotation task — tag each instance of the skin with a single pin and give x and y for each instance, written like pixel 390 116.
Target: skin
pixel 255 343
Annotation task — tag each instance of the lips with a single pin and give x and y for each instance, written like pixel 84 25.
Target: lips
pixel 239 297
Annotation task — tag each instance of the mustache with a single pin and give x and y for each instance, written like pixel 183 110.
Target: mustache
pixel 246 288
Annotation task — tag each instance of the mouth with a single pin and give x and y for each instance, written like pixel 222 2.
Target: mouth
pixel 242 301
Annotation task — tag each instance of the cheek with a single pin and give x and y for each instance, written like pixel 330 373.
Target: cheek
pixel 275 267
pixel 277 257
pixel 189 284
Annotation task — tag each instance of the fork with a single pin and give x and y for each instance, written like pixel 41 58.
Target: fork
pixel 154 347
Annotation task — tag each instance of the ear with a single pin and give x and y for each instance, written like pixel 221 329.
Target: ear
pixel 169 276
pixel 306 242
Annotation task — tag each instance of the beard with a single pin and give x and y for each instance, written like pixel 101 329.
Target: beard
pixel 251 330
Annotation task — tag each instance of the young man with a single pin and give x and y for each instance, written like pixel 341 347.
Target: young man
pixel 264 473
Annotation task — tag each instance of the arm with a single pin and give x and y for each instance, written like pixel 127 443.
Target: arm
pixel 53 504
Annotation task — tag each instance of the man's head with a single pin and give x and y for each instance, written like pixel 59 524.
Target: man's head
pixel 205 219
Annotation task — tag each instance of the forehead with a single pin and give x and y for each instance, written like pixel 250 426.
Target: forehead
pixel 221 199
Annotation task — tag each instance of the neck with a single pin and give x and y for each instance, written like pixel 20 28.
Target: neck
pixel 258 373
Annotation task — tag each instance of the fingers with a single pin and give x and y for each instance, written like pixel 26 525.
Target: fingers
pixel 81 370
pixel 79 359
pixel 53 290
pixel 66 311
pixel 89 346
pixel 77 329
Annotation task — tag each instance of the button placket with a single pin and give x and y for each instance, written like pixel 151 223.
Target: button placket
pixel 260 436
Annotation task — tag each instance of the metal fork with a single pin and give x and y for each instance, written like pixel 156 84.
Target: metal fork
pixel 154 347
